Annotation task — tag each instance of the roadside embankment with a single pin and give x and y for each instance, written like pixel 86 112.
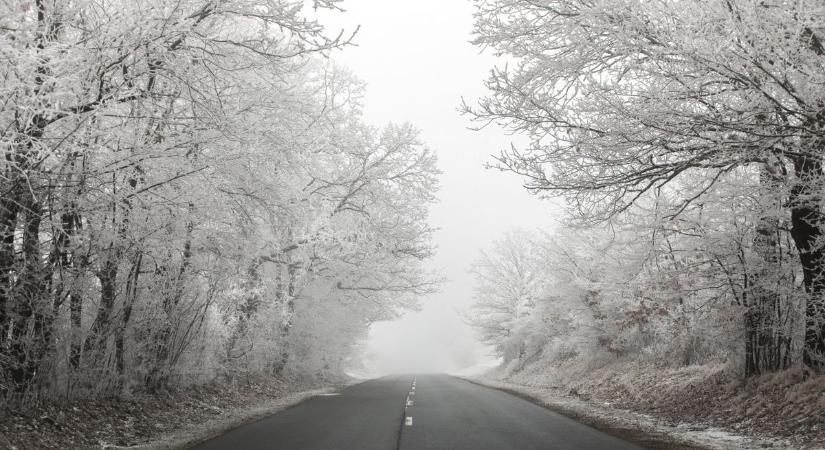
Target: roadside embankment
pixel 700 407
pixel 172 419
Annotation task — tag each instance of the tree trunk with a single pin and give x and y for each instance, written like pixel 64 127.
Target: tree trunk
pixel 765 333
pixel 96 342
pixel 8 222
pixel 807 222
pixel 128 304
pixel 288 317
pixel 163 340
pixel 248 308
pixel 75 319
pixel 65 266
pixel 23 288
pixel 29 297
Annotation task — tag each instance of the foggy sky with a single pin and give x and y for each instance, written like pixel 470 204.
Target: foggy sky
pixel 417 61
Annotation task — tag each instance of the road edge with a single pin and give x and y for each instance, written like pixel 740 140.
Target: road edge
pixel 640 429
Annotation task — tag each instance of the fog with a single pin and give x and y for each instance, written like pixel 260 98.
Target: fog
pixel 418 64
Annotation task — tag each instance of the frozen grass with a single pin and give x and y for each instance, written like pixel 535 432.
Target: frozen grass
pixel 196 433
pixel 700 406
pixel 175 418
pixel 644 429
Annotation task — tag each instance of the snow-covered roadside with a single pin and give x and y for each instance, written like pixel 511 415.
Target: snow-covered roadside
pixel 227 421
pixel 648 431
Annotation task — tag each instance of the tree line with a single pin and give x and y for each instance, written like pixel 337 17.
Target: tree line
pixel 188 191
pixel 687 139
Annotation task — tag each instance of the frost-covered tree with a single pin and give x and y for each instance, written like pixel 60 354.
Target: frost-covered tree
pixel 510 280
pixel 187 192
pixel 677 293
pixel 621 99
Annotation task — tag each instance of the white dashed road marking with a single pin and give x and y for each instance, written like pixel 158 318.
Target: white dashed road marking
pixel 408 421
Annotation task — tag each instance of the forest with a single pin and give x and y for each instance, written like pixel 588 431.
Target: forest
pixel 200 216
pixel 189 193
pixel 686 138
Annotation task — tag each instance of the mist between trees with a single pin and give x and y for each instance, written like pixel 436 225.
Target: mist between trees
pixel 189 192
pixel 687 138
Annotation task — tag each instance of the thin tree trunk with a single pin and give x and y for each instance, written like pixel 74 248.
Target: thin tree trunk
pixel 75 319
pixel 286 322
pixel 8 222
pixel 764 330
pixel 64 266
pixel 163 339
pixel 129 301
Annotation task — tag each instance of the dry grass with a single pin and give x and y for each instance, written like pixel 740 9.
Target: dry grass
pixel 125 422
pixel 781 405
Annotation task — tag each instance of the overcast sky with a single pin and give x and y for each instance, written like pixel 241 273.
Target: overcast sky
pixel 418 63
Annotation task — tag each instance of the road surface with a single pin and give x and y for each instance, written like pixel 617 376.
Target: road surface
pixel 417 412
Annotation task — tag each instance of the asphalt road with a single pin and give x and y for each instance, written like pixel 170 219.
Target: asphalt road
pixel 443 413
